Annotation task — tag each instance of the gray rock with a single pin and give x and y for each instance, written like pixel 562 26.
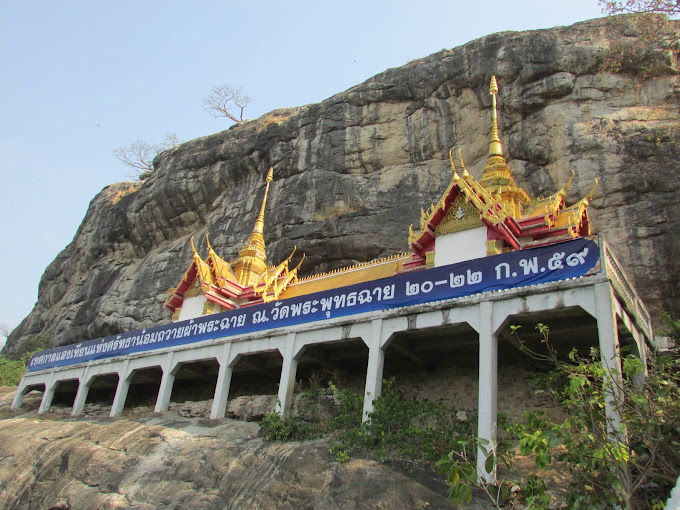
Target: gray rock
pixel 353 171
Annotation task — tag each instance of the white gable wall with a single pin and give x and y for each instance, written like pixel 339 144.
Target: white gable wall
pixel 192 307
pixel 460 246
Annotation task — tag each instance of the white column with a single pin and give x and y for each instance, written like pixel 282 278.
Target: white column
pixel 288 372
pixel 219 407
pixel 46 401
pixel 608 334
pixel 167 381
pixel 124 379
pixel 81 395
pixel 374 371
pixel 488 388
pixel 20 394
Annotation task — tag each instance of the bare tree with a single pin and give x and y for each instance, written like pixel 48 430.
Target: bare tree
pixel 671 8
pixel 224 99
pixel 5 329
pixel 651 20
pixel 140 153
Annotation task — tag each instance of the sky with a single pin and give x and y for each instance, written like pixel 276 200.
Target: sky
pixel 79 79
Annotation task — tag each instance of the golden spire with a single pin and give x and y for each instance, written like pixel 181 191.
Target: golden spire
pixel 495 147
pixel 259 223
pixel 252 257
pixel 496 176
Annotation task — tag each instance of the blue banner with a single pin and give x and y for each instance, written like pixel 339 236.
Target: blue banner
pixel 561 261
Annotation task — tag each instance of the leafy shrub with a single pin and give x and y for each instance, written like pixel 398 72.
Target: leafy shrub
pixel 398 428
pixel 11 371
pixel 621 436
pixel 276 428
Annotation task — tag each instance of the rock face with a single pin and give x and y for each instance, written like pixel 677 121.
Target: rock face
pixel 352 172
pixel 162 463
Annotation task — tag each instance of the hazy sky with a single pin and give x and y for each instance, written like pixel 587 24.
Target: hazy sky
pixel 79 79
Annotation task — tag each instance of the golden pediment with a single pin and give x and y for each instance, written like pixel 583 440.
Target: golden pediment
pixel 462 215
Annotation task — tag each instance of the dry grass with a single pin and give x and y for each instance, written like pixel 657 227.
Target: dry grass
pixel 269 120
pixel 115 195
pixel 341 208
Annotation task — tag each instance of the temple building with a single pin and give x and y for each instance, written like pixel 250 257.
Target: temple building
pixel 472 219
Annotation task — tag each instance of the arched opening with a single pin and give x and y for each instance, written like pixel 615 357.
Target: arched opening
pixel 101 394
pixel 32 396
pixel 194 388
pixel 438 364
pixel 64 396
pixel 254 385
pixel 143 392
pixel 522 356
pixel 342 364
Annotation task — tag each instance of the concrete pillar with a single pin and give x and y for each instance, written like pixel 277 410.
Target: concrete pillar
pixel 22 390
pixel 46 402
pixel 374 371
pixel 168 380
pixel 81 395
pixel 288 373
pixel 124 379
pixel 608 334
pixel 488 388
pixel 219 407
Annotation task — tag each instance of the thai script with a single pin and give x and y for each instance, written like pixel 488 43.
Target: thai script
pixel 453 281
pixel 570 259
pixel 530 265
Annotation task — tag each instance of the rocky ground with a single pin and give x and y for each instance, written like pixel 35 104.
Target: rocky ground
pixel 165 460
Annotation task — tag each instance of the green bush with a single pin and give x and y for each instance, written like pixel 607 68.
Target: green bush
pixel 276 428
pixel 11 371
pixel 398 428
pixel 629 461
pixel 619 440
pixel 631 464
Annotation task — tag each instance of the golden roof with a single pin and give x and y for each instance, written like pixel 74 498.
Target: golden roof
pixel 276 279
pixel 221 268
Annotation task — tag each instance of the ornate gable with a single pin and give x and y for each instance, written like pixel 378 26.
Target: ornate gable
pixel 461 215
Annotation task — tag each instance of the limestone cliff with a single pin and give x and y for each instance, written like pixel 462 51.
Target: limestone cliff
pixel 353 171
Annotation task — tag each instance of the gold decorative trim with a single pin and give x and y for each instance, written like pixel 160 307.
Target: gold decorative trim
pixel 208 307
pixel 193 291
pixel 356 266
pixel 429 259
pixel 462 215
pixel 494 247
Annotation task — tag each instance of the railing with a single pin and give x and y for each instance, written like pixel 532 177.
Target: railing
pixel 625 290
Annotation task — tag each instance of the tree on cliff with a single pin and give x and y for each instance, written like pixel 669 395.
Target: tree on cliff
pixel 223 100
pixel 140 153
pixel 671 8
pixel 650 17
pixel 5 330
